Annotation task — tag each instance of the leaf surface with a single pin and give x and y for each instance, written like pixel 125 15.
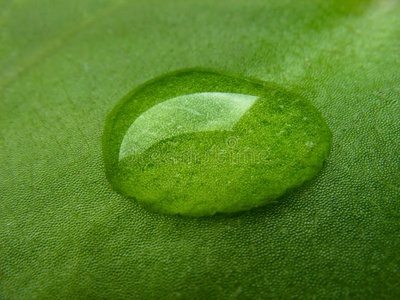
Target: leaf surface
pixel 65 234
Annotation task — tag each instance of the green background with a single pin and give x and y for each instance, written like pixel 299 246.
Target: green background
pixel 65 234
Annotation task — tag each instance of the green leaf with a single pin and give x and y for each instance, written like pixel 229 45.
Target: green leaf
pixel 65 234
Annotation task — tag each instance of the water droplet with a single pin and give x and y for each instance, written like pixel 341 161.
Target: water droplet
pixel 197 142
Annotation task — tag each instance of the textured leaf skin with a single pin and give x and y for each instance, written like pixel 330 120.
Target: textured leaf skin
pixel 65 234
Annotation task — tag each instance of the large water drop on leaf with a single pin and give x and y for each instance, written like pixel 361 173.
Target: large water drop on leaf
pixel 197 142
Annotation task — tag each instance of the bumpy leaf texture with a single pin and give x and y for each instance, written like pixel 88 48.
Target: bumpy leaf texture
pixel 65 234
